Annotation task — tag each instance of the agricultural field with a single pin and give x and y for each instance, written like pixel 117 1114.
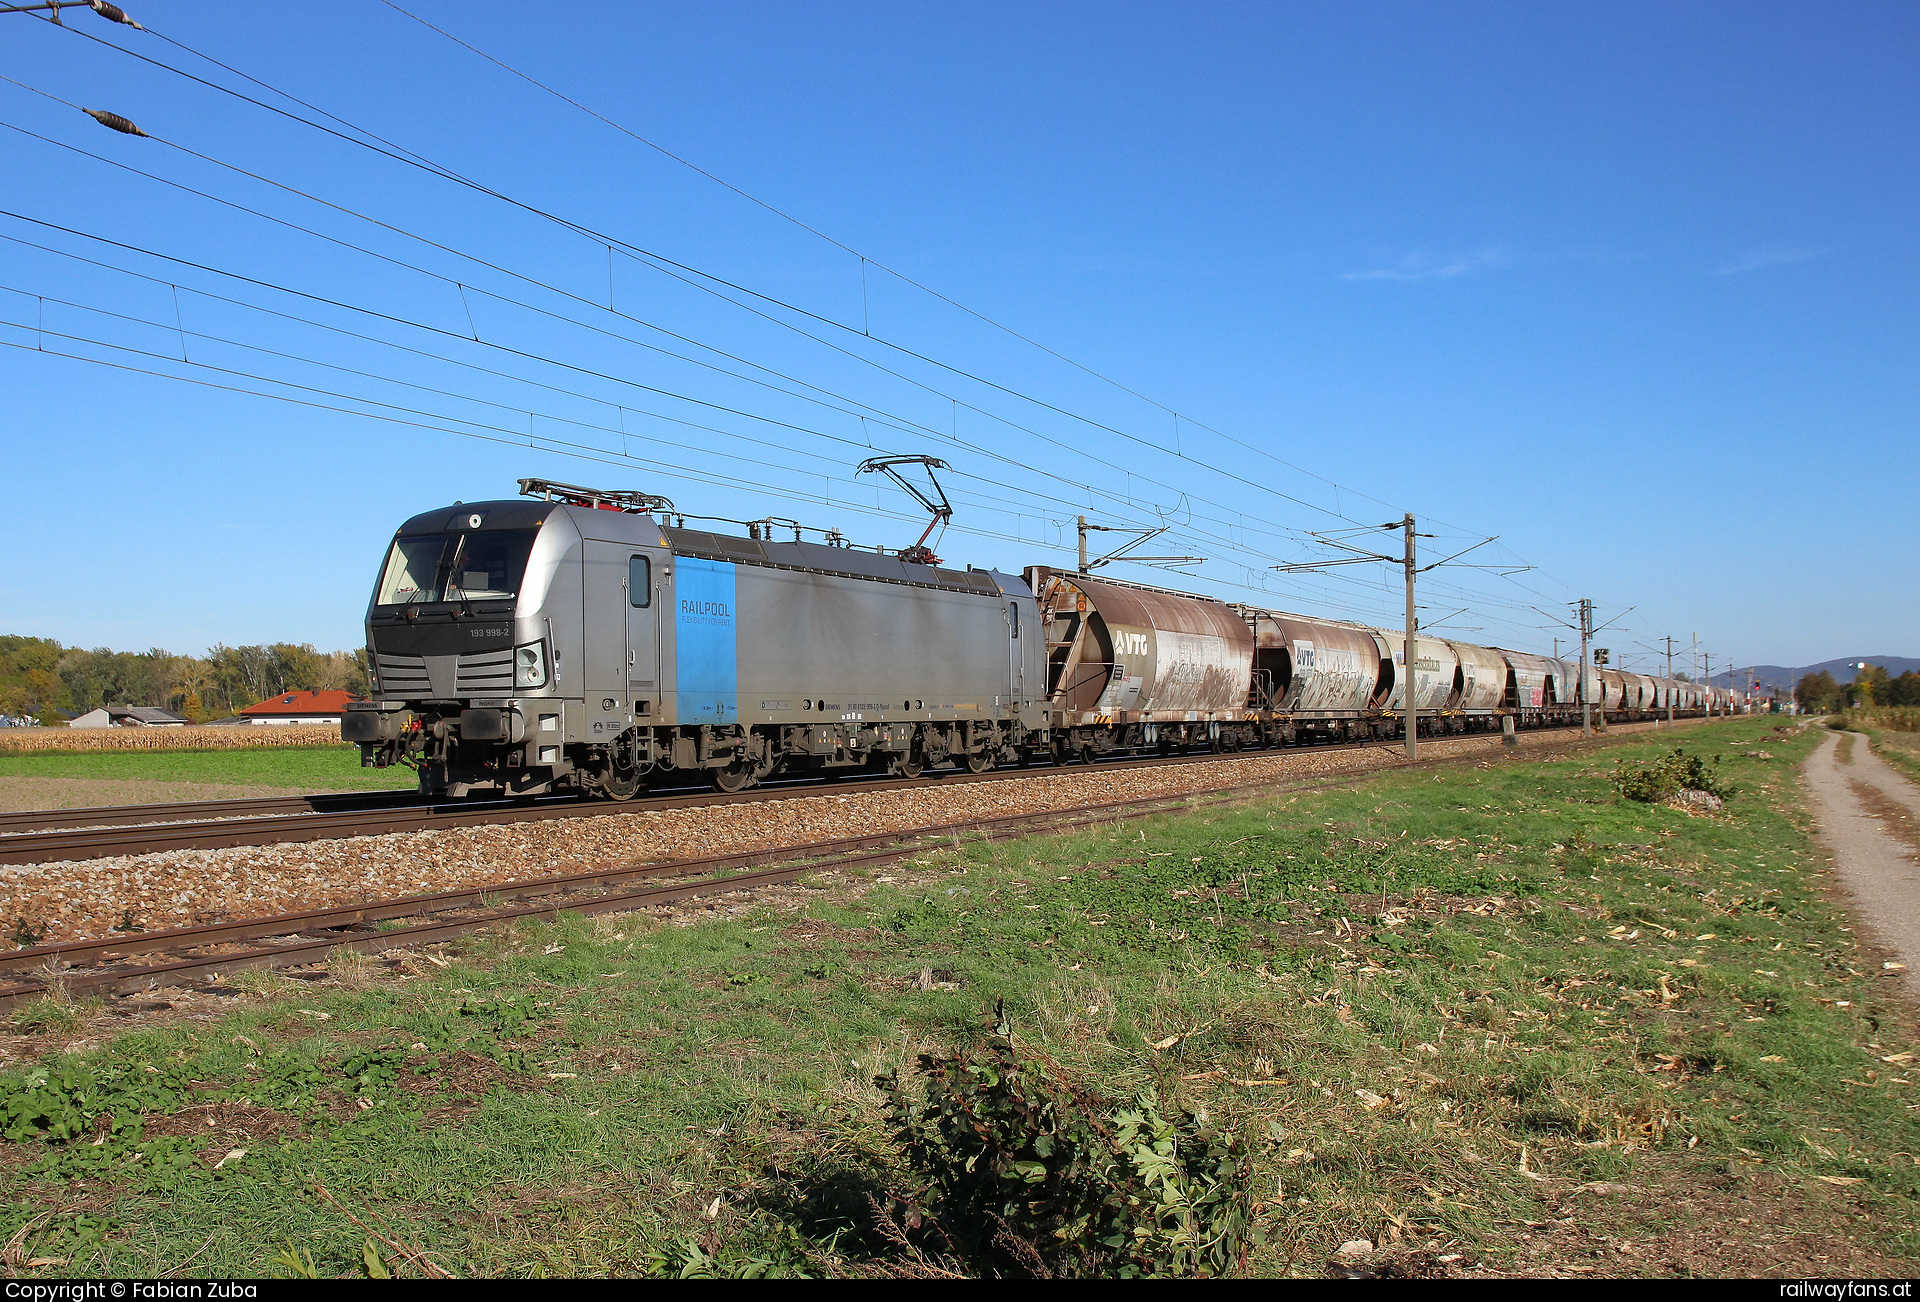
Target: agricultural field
pixel 1484 1019
pixel 69 779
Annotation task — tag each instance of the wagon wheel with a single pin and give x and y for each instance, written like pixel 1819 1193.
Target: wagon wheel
pixel 734 777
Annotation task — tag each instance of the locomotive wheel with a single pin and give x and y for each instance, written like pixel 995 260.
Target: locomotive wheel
pixel 732 778
pixel 909 766
pixel 622 784
pixel 974 763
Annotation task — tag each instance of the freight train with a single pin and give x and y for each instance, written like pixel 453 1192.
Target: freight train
pixel 569 641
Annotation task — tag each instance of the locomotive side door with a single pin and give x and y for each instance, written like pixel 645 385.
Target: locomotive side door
pixel 645 582
pixel 605 652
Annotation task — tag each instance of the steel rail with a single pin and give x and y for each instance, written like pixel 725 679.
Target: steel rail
pixel 303 937
pixel 36 970
pixel 182 831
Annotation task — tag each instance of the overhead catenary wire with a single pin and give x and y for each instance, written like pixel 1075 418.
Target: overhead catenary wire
pixel 1002 505
pixel 644 254
pixel 406 415
pixel 867 260
pixel 462 287
pixel 419 418
pixel 426 421
pixel 1115 499
pixel 652 258
pixel 588 302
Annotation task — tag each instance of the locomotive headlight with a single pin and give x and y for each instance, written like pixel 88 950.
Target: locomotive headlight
pixel 530 665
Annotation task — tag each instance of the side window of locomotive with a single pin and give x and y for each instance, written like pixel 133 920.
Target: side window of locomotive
pixel 1013 617
pixel 640 581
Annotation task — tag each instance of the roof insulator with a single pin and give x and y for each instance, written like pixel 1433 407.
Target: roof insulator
pixel 113 121
pixel 113 14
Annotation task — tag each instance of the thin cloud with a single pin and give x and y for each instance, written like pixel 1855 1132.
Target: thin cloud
pixel 1772 255
pixel 1424 266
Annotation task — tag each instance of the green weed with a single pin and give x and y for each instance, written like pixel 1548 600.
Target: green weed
pixel 1667 776
pixel 1016 1172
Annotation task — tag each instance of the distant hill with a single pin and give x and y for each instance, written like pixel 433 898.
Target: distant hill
pixel 1842 670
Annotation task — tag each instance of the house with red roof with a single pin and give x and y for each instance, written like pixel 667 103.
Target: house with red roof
pixel 298 707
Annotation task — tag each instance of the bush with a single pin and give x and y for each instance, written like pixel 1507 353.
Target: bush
pixel 1667 776
pixel 1021 1174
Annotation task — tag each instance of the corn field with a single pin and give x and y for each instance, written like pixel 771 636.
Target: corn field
pixel 24 741
pixel 1893 718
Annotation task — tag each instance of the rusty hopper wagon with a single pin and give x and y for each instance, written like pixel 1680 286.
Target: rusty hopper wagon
pixel 1131 666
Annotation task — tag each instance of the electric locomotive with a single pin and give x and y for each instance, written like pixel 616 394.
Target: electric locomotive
pixel 575 642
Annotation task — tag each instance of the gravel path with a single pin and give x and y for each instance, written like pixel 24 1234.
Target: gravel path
pixel 1867 813
pixel 92 898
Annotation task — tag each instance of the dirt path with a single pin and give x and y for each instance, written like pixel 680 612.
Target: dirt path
pixel 1869 818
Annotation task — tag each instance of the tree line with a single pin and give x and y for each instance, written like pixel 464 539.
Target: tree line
pixel 1871 686
pixel 40 678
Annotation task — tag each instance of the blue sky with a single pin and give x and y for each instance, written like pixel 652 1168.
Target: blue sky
pixel 1631 288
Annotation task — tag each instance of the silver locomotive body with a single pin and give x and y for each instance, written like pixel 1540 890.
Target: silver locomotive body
pixel 522 647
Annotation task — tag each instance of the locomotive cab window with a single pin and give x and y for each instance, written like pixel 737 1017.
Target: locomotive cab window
pixel 481 565
pixel 640 581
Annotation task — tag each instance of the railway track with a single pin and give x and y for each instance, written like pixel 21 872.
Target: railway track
pixel 193 957
pixel 209 825
pixel 14 822
pixel 50 836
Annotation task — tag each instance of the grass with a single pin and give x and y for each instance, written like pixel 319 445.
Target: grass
pixel 316 768
pixel 1467 1011
pixel 1900 749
